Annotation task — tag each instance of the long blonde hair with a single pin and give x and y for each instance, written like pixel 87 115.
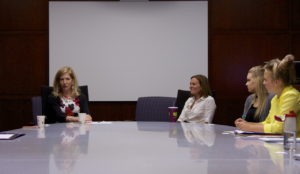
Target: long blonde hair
pixel 261 93
pixel 57 89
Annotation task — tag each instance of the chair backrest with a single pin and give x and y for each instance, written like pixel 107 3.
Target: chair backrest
pixel 182 96
pixel 36 108
pixel 153 108
pixel 47 90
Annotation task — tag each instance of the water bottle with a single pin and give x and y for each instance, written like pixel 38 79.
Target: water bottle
pixel 289 131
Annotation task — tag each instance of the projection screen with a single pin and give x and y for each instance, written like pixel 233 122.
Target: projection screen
pixel 126 50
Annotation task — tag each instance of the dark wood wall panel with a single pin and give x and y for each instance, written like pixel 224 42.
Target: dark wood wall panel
pixel 113 111
pixel 233 55
pixel 295 5
pixel 23 14
pixel 23 69
pixel 10 114
pixel 23 62
pixel 228 109
pixel 248 14
pixel 24 58
pixel 14 112
pixel 296 45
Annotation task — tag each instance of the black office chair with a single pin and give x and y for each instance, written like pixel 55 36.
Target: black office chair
pixel 182 96
pixel 47 90
pixel 153 108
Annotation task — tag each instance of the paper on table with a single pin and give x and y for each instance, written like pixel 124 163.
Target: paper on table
pixel 9 136
pixel 101 122
pixel 228 132
pixel 276 139
pixel 6 136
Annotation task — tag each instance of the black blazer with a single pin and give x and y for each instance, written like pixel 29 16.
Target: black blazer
pixel 56 115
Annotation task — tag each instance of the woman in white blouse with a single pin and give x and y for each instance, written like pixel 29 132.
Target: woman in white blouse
pixel 199 108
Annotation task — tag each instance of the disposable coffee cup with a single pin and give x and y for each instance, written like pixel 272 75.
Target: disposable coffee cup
pixel 41 121
pixel 81 117
pixel 173 113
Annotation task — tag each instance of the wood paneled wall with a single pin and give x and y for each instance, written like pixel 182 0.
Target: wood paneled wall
pixel 241 34
pixel 23 58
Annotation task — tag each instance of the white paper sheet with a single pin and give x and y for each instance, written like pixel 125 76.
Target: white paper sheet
pixel 6 136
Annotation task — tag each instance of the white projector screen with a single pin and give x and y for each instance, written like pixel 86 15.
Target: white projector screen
pixel 126 50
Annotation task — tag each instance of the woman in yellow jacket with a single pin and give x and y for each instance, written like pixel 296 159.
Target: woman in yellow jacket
pixel 279 76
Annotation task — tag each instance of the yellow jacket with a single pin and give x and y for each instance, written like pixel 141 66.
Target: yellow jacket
pixel 289 100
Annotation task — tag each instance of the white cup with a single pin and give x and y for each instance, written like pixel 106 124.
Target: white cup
pixel 41 121
pixel 81 117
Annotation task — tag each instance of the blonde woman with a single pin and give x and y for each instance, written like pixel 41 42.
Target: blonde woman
pixel 279 75
pixel 199 108
pixel 66 101
pixel 257 104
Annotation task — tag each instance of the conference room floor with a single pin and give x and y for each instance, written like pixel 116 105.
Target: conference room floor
pixel 140 147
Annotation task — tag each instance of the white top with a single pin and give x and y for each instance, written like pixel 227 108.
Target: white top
pixel 202 111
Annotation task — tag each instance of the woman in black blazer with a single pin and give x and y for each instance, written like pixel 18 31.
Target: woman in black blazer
pixel 66 100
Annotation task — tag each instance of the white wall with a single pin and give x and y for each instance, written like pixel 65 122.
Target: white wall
pixel 124 50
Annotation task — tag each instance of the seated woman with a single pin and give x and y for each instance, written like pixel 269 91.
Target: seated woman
pixel 278 79
pixel 257 105
pixel 66 101
pixel 199 108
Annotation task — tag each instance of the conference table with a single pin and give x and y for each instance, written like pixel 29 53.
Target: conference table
pixel 141 147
